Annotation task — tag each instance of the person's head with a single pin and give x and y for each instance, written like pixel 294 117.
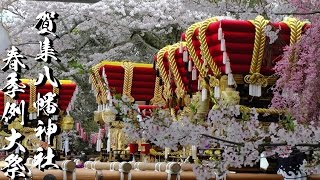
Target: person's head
pixel 49 177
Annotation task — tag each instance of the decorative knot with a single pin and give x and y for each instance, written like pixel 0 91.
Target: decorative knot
pixel 256 79
pixel 203 83
pixel 213 81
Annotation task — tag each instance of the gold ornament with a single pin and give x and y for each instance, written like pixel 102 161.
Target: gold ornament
pixel 16 124
pixel 67 123
pixel 230 97
pixel 108 116
pixel 97 117
pixel 203 109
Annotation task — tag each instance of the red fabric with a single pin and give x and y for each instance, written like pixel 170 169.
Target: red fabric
pixel 183 72
pixel 183 36
pixel 231 25
pixel 239 36
pixel 66 92
pixel 119 69
pixel 143 81
pixel 147 148
pixel 133 148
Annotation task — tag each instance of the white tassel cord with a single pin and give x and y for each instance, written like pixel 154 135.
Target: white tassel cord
pixel 194 74
pixel 109 97
pixel 185 56
pixel 204 94
pixel 223 45
pixel 166 152
pixel 199 84
pixel 99 142
pixel 224 57
pixel 104 76
pixel 194 152
pixel 254 90
pixel 228 68
pixel 220 32
pixel 258 90
pixel 66 145
pixel 190 66
pixel 217 92
pixel 230 79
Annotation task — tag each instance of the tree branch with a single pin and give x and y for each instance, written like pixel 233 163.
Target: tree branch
pixel 139 38
pixel 223 140
pixel 299 13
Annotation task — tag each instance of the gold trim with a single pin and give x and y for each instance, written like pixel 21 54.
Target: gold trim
pixel 163 74
pixel 127 82
pixel 116 63
pixel 295 29
pixel 103 92
pixel 259 44
pixel 189 34
pixel 157 97
pixel 94 82
pixel 32 97
pixel 205 49
pixel 295 33
pixel 7 99
pixel 180 90
pixel 262 110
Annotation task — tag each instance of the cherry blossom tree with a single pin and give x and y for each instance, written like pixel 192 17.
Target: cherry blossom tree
pixel 113 30
pixel 299 70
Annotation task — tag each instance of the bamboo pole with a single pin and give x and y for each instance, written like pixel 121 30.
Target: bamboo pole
pixel 111 166
pixel 162 166
pixel 67 165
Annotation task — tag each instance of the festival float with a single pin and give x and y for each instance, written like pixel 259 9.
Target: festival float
pixel 215 81
pixel 200 111
pixel 136 82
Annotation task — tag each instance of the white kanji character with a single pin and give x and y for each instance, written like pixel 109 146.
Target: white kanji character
pixel 51 130
pixel 49 76
pixel 47 104
pixel 12 139
pixel 47 51
pixel 12 111
pixel 14 60
pixel 15 167
pixel 46 25
pixel 13 85
pixel 40 131
pixel 44 159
